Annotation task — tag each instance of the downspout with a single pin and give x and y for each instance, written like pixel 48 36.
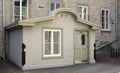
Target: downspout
pixel 116 24
pixel 3 24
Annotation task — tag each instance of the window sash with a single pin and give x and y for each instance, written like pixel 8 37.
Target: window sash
pixel 23 11
pixel 52 43
pixel 54 6
pixel 83 11
pixel 105 19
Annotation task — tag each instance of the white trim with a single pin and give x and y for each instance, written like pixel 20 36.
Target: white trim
pixel 52 43
pixel 27 9
pixel 20 9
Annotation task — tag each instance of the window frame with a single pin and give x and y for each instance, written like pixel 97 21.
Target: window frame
pixel 82 13
pixel 52 42
pixel 105 16
pixel 55 5
pixel 27 12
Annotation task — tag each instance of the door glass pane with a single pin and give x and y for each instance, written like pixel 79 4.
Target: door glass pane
pixel 56 42
pixel 83 39
pixel 47 42
pixel 79 40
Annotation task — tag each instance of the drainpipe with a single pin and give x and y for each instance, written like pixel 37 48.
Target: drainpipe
pixel 116 24
pixel 3 24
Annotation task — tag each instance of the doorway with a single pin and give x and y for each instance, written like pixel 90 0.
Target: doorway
pixel 81 47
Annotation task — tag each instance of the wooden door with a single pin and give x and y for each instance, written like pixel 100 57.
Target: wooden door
pixel 81 46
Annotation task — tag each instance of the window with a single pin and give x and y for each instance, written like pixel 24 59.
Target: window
pixel 54 6
pixel 20 10
pixel 105 19
pixel 83 11
pixel 51 42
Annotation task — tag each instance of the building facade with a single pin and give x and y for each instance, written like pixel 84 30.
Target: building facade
pixel 100 12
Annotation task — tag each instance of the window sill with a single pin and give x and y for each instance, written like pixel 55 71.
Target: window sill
pixel 105 30
pixel 52 57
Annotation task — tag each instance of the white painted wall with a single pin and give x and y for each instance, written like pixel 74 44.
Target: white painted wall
pixel 15 46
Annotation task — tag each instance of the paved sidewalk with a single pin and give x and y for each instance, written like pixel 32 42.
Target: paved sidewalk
pixel 110 65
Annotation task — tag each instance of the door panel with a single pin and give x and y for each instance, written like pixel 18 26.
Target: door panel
pixel 81 49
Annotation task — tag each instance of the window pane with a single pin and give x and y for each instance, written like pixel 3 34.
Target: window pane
pixel 85 13
pixel 56 36
pixel 24 17
pixel 103 25
pixel 56 48
pixel 56 42
pixel 47 49
pixel 103 19
pixel 47 42
pixel 107 22
pixel 17 18
pixel 80 10
pixel 103 22
pixel 103 13
pixel 17 10
pixel 24 3
pixel 52 7
pixel 17 3
pixel 83 39
pixel 24 9
pixel 57 5
pixel 107 13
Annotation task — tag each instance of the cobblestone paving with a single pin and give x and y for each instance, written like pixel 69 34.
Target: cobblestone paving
pixel 110 65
